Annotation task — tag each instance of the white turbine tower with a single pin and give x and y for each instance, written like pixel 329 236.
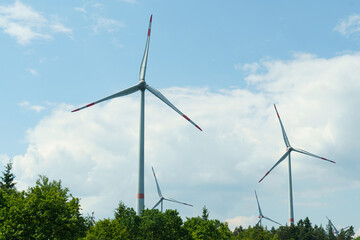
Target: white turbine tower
pixel 162 198
pixel 336 232
pixel 141 86
pixel 289 149
pixel 261 216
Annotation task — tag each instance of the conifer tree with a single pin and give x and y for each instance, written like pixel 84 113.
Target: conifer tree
pixel 7 178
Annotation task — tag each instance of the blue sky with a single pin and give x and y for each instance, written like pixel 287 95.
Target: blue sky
pixel 224 64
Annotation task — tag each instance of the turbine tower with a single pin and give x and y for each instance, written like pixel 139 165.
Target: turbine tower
pixel 141 86
pixel 289 149
pixel 261 216
pixel 162 198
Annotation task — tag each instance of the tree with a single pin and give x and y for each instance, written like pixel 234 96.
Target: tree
pixel 203 228
pixel 108 229
pixel 128 219
pixel 238 230
pixel 157 225
pixel 46 211
pixel 255 233
pixel 7 180
pixel 205 214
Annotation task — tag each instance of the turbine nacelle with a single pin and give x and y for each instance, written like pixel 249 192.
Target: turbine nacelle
pixel 142 85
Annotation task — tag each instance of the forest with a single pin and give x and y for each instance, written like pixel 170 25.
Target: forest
pixel 49 211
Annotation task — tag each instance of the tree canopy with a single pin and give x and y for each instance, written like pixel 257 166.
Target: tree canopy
pixel 48 211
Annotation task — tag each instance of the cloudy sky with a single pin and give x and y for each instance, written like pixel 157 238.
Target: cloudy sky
pixel 224 64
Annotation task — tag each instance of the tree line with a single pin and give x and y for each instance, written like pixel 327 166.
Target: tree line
pixel 49 211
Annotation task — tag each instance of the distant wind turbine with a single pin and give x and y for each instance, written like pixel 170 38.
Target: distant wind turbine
pixel 289 149
pixel 334 228
pixel 141 86
pixel 261 216
pixel 162 198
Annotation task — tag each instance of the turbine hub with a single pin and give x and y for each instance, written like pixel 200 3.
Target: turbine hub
pixel 142 85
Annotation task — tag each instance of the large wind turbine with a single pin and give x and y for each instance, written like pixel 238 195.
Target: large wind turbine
pixel 261 216
pixel 141 86
pixel 289 149
pixel 334 228
pixel 162 198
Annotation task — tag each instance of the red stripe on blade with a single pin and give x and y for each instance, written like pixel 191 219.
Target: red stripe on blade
pixel 140 195
pixel 264 176
pixel 186 117
pixel 75 110
pixel 89 105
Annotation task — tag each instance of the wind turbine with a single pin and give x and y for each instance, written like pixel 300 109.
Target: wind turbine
pixel 162 198
pixel 261 216
pixel 141 86
pixel 289 149
pixel 335 230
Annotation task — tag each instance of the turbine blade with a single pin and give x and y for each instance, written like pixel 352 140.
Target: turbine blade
pixel 312 155
pixel 280 160
pixel 157 184
pixel 260 213
pixel 286 140
pixel 335 230
pixel 165 100
pixel 119 94
pixel 176 201
pixel 161 199
pixel 144 60
pixel 271 220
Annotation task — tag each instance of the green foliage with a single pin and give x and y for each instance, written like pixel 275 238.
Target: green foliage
pixel 205 229
pixel 152 224
pixel 302 231
pixel 128 219
pixel 205 214
pixel 255 233
pixel 107 229
pixel 46 211
pixel 49 211
pixel 7 179
pixel 158 225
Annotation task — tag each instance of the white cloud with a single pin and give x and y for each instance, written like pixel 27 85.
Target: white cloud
pixel 105 24
pixel 348 26
pixel 130 1
pixel 27 105
pixel 95 151
pixel 241 221
pixel 23 23
pixel 60 28
pixel 32 71
pixel 248 67
pixel 357 233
